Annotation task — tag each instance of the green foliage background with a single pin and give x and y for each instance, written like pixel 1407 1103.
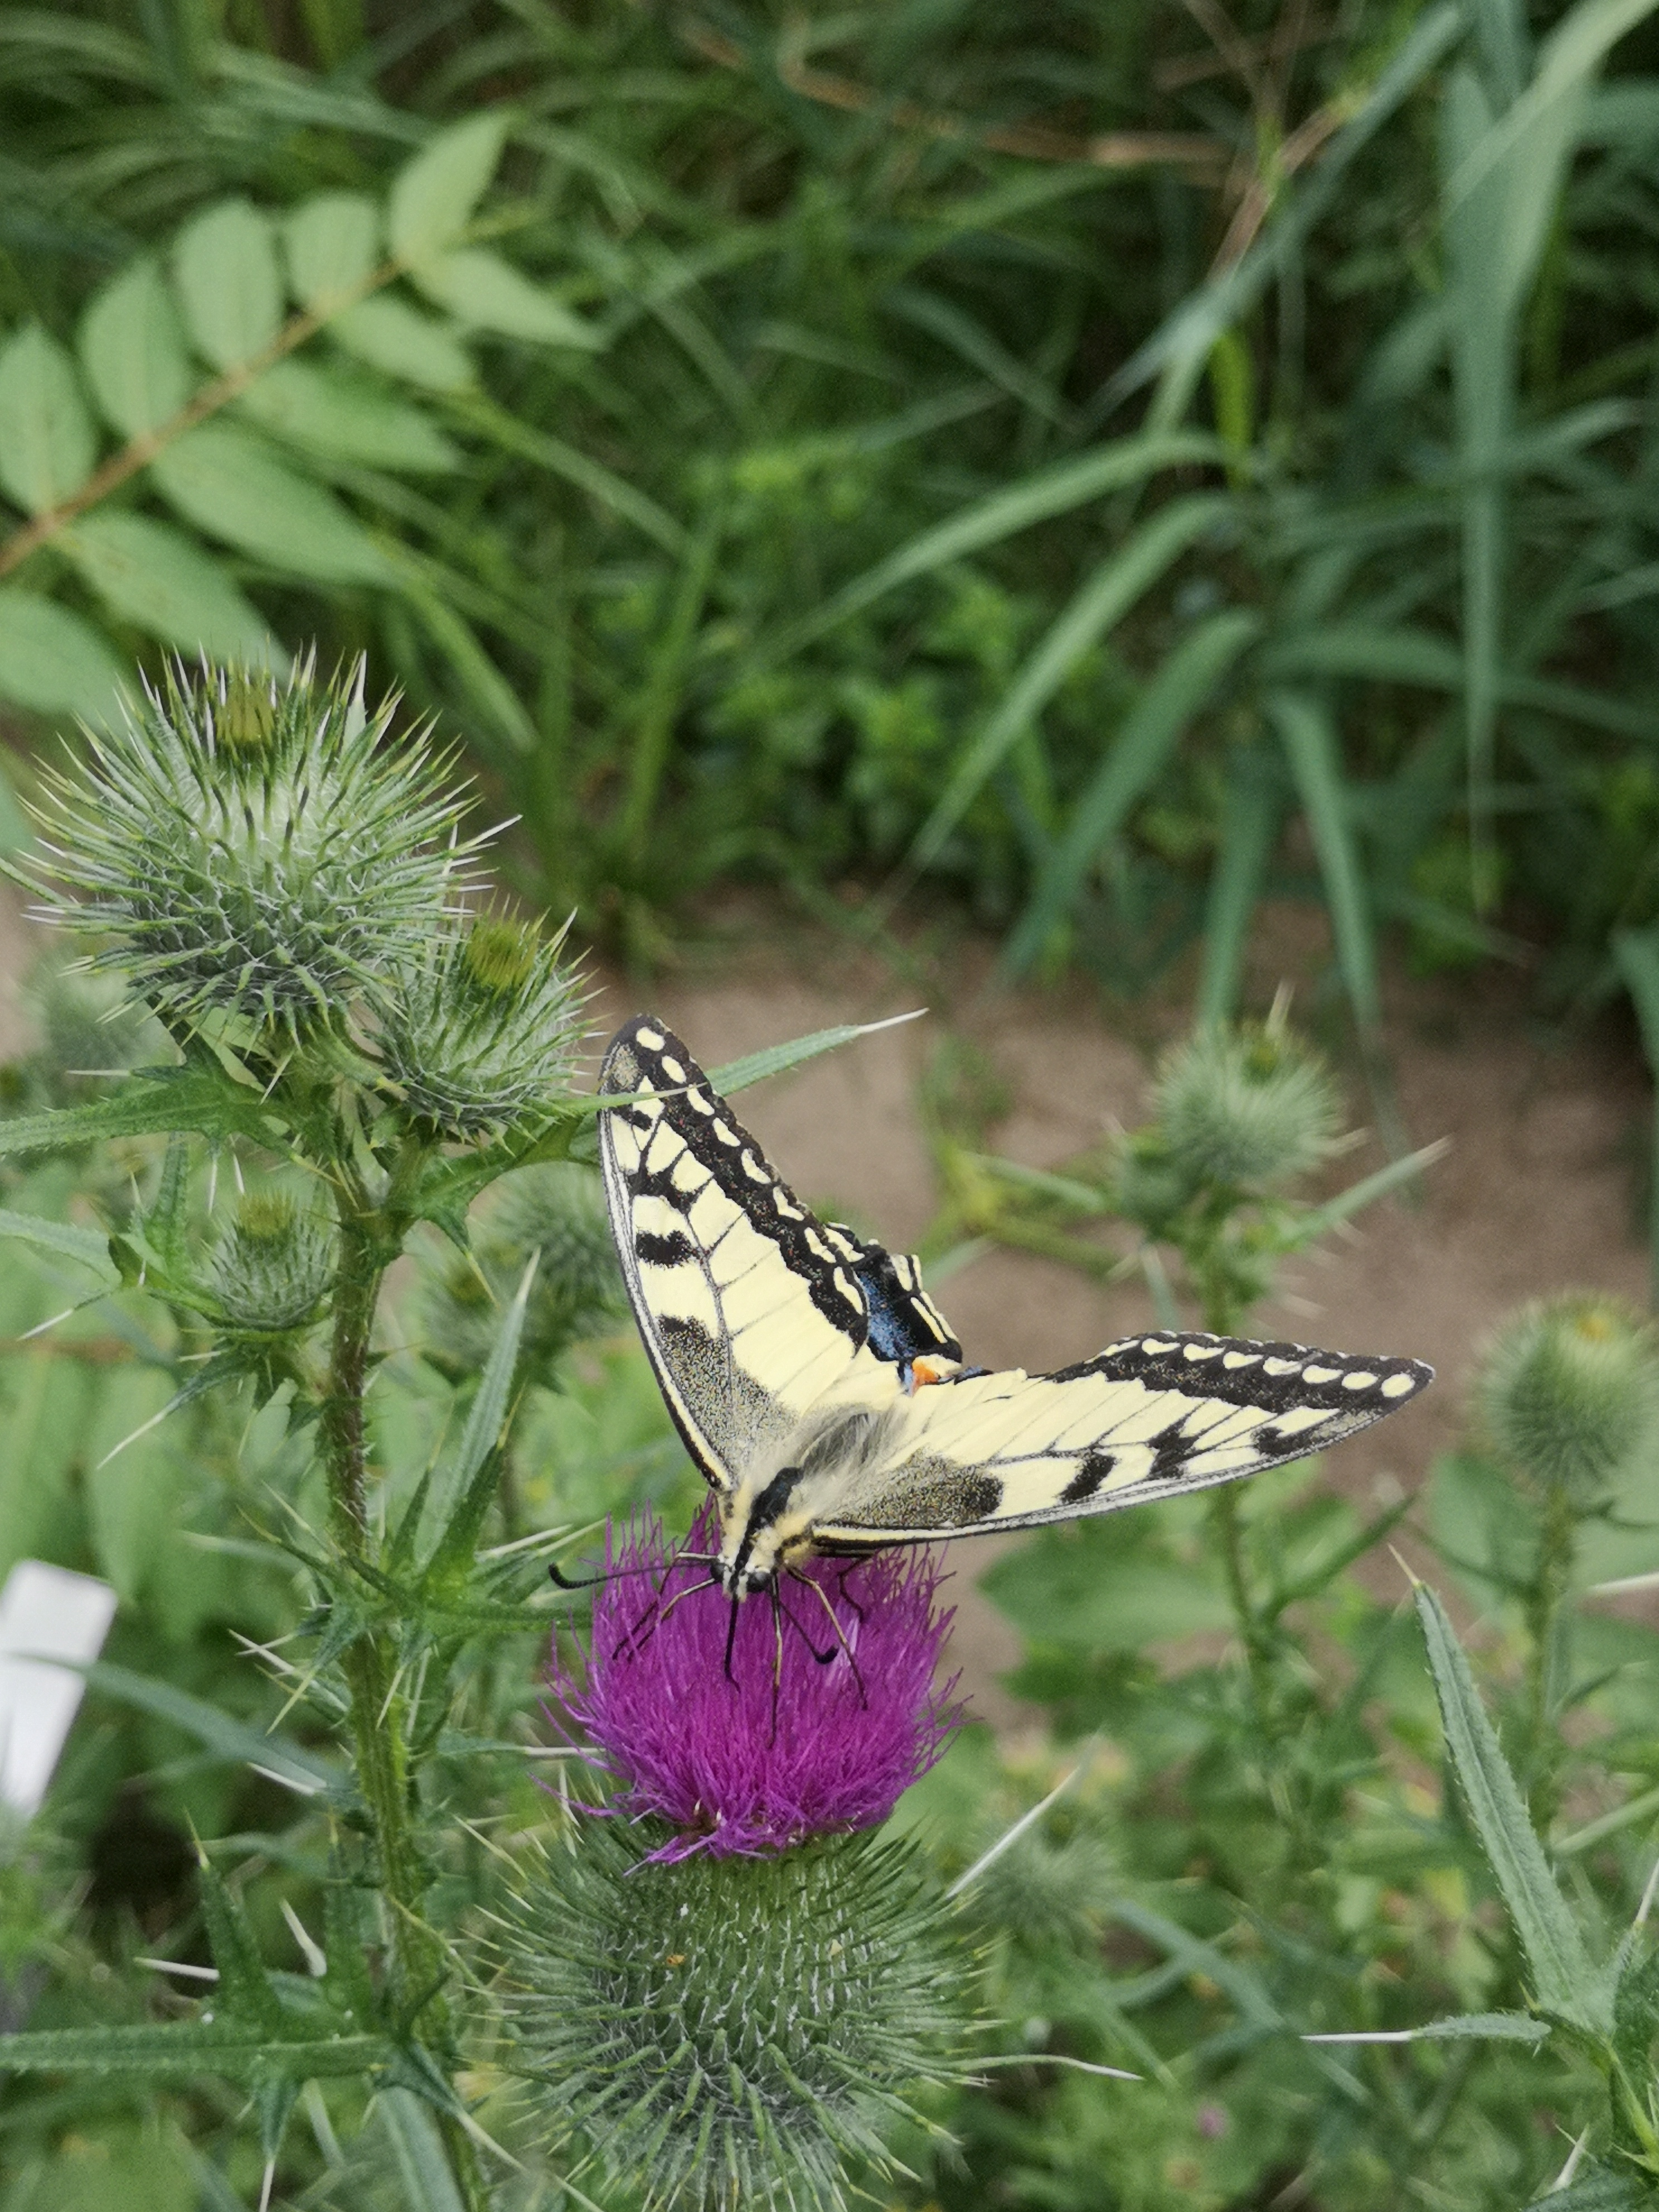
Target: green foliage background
pixel 1051 454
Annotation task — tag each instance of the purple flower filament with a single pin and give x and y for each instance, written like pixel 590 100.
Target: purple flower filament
pixel 827 1714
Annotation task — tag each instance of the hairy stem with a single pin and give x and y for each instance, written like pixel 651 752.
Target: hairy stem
pixel 370 1237
pixel 1546 1658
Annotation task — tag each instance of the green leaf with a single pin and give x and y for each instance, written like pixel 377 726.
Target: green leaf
pixel 345 417
pixel 417 2153
pixel 390 334
pixel 184 2049
pixel 775 1058
pixel 1104 599
pixel 1037 498
pixel 132 349
pixel 433 196
pixel 331 242
pixel 224 264
pixel 47 442
pixel 155 576
pixel 53 661
pixel 461 1499
pixel 146 1104
pixel 88 1246
pixel 1150 733
pixel 230 483
pixel 485 292
pixel 1565 1982
pixel 306 1771
pixel 245 1996
pixel 1464 2027
pixel 1315 758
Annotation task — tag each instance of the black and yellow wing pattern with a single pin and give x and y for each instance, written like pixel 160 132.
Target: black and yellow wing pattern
pixel 762 1323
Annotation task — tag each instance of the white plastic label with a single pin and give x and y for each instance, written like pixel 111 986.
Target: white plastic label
pixel 48 1614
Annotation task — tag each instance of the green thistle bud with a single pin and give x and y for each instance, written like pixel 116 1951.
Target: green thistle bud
pixel 732 2032
pixel 1049 1893
pixel 1570 1395
pixel 556 1211
pixel 483 1030
pixel 248 847
pixel 274 1266
pixel 1246 1106
pixel 89 1022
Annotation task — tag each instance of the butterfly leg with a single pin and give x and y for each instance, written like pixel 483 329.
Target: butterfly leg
pixel 845 1595
pixel 823 1597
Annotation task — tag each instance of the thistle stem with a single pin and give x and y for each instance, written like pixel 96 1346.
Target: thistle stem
pixel 1546 1656
pixel 370 1237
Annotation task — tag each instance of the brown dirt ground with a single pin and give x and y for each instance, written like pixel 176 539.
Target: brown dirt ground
pixel 1536 1195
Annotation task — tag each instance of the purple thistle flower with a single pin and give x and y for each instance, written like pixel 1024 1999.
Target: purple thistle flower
pixel 793 1744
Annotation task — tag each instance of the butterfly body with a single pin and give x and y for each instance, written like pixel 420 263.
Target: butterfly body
pixel 825 1397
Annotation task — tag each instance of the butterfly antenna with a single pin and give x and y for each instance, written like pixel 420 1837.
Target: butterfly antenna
pixel 563 1580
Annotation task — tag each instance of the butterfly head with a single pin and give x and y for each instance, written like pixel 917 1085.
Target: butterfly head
pixel 770 1517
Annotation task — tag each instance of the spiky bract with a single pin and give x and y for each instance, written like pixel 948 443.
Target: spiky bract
pixel 732 2032
pixel 483 1028
pixel 1570 1395
pixel 274 1265
pixel 247 845
pixel 1246 1106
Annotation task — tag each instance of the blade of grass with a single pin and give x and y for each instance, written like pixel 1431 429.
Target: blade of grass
pixel 1251 825
pixel 1636 954
pixel 1039 497
pixel 1102 599
pixel 1151 731
pixel 1310 747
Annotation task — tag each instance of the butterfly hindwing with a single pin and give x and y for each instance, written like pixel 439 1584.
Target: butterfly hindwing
pixel 753 1311
pixel 1150 1416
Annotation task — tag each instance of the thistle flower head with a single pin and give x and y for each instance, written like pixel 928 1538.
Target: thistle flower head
pixel 830 1712
pixel 273 1266
pixel 1570 1395
pixel 247 845
pixel 483 1029
pixel 1246 1105
pixel 732 2032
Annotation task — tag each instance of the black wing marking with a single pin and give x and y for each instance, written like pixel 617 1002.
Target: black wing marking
pixel 905 1325
pixel 1151 1417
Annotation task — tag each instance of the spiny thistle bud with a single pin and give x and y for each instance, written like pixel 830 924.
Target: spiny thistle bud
pixel 248 847
pixel 273 1266
pixel 483 1030
pixel 89 1024
pixel 1246 1106
pixel 556 1212
pixel 1049 1893
pixel 748 1730
pixel 732 2032
pixel 1570 1395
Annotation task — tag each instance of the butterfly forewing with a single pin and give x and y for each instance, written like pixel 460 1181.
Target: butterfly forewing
pixel 1151 1417
pixel 752 1309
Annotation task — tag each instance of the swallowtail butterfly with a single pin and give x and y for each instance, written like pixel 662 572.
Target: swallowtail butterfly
pixel 823 1396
